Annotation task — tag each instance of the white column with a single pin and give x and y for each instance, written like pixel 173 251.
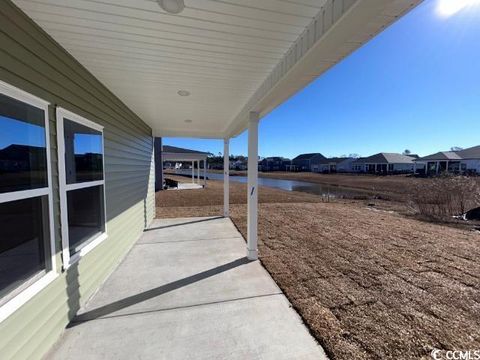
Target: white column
pixel 226 178
pixel 193 172
pixel 205 173
pixel 252 217
pixel 198 172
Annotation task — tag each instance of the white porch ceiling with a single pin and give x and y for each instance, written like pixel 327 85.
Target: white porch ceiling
pixel 233 56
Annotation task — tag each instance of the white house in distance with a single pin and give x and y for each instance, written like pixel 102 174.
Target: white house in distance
pixel 463 161
pixel 384 163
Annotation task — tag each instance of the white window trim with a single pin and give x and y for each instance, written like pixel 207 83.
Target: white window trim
pixel 69 260
pixel 24 296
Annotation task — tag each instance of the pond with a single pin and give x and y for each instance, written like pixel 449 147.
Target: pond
pixel 292 185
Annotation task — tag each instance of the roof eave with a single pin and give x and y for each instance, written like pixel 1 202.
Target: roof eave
pixel 335 32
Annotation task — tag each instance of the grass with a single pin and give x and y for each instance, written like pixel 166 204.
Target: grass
pixel 369 283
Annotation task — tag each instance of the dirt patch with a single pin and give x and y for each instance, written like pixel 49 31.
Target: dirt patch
pixel 370 284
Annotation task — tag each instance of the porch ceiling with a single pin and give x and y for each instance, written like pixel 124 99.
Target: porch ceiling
pixel 232 56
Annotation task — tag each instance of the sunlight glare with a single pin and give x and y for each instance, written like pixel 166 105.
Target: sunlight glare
pixel 447 8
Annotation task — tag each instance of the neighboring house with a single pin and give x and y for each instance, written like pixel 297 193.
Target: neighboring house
pixel 239 165
pixel 308 162
pixel 387 163
pixel 358 165
pixel 337 164
pixel 275 163
pixel 179 156
pixel 440 162
pixel 463 161
pixel 471 159
pixel 16 157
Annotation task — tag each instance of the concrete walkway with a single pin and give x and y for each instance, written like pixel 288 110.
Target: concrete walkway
pixel 189 186
pixel 186 291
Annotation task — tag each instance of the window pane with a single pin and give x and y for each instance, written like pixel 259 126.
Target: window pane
pixel 24 243
pixel 23 156
pixel 85 216
pixel 83 153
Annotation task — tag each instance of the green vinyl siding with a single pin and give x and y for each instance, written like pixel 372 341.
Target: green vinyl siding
pixel 33 62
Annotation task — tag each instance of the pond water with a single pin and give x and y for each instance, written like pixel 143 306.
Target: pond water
pixel 291 185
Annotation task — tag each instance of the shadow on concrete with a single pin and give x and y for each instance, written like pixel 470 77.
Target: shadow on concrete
pixel 184 223
pixel 146 295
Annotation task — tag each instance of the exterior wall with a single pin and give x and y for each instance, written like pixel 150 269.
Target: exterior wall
pixel 472 165
pixel 346 165
pixel 358 167
pixel 158 164
pixel 316 162
pixel 33 62
pixel 302 165
pixel 403 167
pixel 312 164
pixel 269 164
pixel 376 168
pixel 323 168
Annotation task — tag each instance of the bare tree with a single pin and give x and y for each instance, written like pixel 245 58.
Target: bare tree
pixel 354 155
pixel 456 148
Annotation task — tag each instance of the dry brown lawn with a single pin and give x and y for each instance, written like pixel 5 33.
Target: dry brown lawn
pixel 369 284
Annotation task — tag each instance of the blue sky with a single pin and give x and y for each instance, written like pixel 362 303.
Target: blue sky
pixel 87 143
pixel 22 133
pixel 415 86
pixel 18 132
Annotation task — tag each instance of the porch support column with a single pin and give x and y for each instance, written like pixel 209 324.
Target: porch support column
pixel 198 172
pixel 193 172
pixel 226 178
pixel 205 173
pixel 252 217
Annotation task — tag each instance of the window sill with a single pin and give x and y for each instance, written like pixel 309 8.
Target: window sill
pixel 21 299
pixel 85 250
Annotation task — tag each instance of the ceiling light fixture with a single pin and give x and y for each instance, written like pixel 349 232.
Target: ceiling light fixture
pixel 172 6
pixel 183 92
pixel 188 121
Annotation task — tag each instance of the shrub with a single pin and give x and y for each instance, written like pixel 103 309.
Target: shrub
pixel 446 196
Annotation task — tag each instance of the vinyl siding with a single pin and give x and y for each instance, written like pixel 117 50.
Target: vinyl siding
pixel 472 164
pixel 403 167
pixel 33 62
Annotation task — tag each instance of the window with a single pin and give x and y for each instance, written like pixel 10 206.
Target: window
pixel 27 261
pixel 82 184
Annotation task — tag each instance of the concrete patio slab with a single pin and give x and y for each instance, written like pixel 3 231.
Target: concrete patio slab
pixel 187 186
pixel 186 291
